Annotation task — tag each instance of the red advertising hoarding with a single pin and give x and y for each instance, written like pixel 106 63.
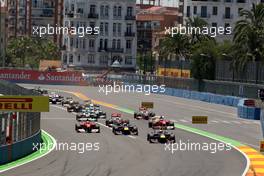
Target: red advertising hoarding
pixel 32 76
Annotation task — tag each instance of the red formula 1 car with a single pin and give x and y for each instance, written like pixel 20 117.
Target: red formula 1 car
pixel 158 122
pixel 87 127
pixel 143 113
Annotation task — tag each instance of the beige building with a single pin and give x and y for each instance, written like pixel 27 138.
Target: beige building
pixel 24 15
pixel 2 34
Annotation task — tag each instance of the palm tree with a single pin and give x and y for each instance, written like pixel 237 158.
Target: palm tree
pixel 196 24
pixel 249 36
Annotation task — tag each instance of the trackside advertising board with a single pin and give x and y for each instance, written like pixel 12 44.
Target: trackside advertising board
pixel 24 103
pixel 32 76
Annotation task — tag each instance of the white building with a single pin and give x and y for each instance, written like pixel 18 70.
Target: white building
pixel 115 41
pixel 217 13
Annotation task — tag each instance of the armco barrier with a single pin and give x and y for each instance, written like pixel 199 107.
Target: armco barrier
pixel 247 112
pixel 19 149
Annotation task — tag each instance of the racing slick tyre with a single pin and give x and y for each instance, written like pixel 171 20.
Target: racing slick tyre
pixel 77 129
pixel 135 115
pixel 150 125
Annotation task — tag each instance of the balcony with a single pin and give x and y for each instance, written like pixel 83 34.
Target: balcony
pixel 102 49
pixel 227 16
pixel 69 14
pixel 115 50
pixel 93 15
pixel 130 17
pixel 130 34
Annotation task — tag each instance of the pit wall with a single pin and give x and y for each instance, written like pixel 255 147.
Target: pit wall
pixel 17 150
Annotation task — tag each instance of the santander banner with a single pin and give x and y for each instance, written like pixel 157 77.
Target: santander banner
pixel 32 76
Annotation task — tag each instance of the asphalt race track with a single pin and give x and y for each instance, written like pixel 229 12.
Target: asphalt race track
pixel 127 156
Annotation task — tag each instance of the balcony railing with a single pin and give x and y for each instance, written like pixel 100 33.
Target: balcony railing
pixel 228 16
pixel 130 34
pixel 93 15
pixel 130 17
pixel 116 50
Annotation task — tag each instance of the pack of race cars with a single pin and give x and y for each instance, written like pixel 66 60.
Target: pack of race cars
pixel 88 114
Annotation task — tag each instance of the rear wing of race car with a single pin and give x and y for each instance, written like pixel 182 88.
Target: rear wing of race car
pixel 115 115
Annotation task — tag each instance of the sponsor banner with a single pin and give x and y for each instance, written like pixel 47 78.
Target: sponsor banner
pixel 27 76
pixel 24 103
pixel 147 104
pixel 174 72
pixel 199 119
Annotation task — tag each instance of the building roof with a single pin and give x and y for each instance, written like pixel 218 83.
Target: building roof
pixel 46 64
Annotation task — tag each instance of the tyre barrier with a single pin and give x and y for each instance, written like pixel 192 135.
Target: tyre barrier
pixel 248 112
pixel 17 150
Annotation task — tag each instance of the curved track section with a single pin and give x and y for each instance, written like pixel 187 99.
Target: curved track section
pixel 127 156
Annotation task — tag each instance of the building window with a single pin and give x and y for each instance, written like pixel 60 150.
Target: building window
pixel 119 14
pixel 105 44
pixel 101 44
pixel 79 58
pixel 194 10
pixel 106 11
pixel 106 28
pixel 102 8
pixel 77 43
pixel 91 59
pixel 128 44
pixel 215 10
pixel 129 28
pixel 84 43
pixel 114 29
pixel 227 13
pixel 71 59
pixel 204 11
pixel 91 43
pixel 128 60
pixel 119 27
pixel 103 60
pixel 114 43
pixel 115 11
pixel 188 11
pixel 71 42
pixel 92 9
pixel 129 11
pixel 118 43
pixel 65 58
pixel 102 28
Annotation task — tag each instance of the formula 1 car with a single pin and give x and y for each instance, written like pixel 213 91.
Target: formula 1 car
pixel 87 126
pixel 40 91
pixel 158 122
pixel 143 113
pixel 89 115
pixel 74 107
pixel 66 102
pixel 115 120
pixel 55 98
pixel 161 136
pixel 126 129
pixel 99 113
